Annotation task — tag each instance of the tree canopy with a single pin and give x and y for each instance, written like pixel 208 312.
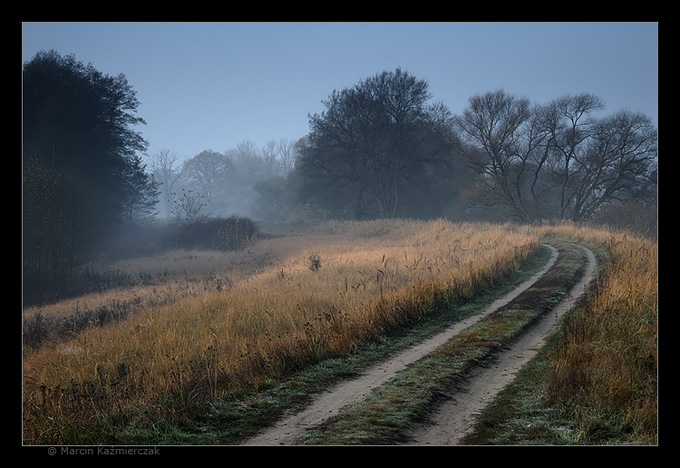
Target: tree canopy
pixel 556 161
pixel 80 121
pixel 81 167
pixel 378 150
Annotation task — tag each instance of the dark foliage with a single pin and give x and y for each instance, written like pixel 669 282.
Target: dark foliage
pixel 81 170
pixel 379 150
pixel 231 233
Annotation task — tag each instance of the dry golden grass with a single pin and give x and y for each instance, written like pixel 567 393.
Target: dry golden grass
pixel 294 300
pixel 283 313
pixel 173 275
pixel 606 365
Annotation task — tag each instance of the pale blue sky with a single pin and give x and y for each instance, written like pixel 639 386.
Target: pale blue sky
pixel 213 85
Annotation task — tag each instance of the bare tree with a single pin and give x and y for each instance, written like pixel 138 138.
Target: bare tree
pixel 189 207
pixel 619 163
pixel 282 153
pixel 208 173
pixel 167 175
pixel 569 123
pixel 499 137
pixel 557 160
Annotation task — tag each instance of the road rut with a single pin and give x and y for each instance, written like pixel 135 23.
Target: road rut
pixel 455 418
pixel 292 428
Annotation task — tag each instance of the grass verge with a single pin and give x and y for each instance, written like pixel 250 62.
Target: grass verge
pixel 170 362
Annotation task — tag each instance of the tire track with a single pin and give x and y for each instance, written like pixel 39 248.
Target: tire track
pixel 455 418
pixel 294 426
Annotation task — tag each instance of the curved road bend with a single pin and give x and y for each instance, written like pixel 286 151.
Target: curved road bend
pixel 455 418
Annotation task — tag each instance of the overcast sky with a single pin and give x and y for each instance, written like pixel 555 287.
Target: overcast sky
pixel 212 85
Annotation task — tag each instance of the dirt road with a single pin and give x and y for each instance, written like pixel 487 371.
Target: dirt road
pixel 455 418
pixel 290 429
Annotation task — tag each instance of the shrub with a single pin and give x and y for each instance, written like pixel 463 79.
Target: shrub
pixel 231 233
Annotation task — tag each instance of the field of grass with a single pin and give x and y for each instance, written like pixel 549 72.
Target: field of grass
pixel 205 327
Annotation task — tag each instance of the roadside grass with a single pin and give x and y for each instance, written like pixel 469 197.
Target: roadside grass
pixel 164 365
pixel 523 414
pixel 233 419
pixel 595 382
pixel 383 416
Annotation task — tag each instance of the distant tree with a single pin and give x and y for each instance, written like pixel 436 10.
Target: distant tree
pixel 188 207
pixel 251 166
pixel 493 125
pixel 275 199
pixel 618 166
pixel 375 146
pixel 556 161
pixel 282 153
pixel 570 125
pixel 167 175
pixel 209 174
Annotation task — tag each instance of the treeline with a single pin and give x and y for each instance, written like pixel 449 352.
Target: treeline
pixel 82 169
pixel 214 184
pixel 382 148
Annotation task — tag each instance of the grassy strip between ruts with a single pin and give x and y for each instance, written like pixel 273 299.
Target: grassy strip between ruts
pixel 230 420
pixel 383 416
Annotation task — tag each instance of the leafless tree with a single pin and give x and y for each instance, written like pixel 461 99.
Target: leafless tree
pixel 282 153
pixel 500 135
pixel 620 162
pixel 570 125
pixel 166 174
pixel 208 173
pixel 556 161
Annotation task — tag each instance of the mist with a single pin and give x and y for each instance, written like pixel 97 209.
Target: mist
pixel 383 148
pixel 237 182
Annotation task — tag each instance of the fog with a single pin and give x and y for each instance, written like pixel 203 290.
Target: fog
pixel 238 181
pixel 384 148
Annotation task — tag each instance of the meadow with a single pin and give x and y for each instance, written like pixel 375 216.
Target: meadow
pixel 207 326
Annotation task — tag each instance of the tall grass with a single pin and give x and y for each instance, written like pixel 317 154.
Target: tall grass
pixel 292 301
pixel 605 367
pixel 167 360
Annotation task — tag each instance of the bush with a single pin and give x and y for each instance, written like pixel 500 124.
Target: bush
pixel 231 233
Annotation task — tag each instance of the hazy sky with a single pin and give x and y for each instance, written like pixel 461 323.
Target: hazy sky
pixel 212 85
